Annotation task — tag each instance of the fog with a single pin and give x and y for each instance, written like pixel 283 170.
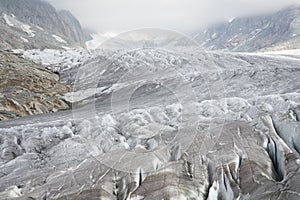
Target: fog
pixel 113 16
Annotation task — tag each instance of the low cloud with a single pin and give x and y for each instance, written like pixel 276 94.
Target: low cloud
pixel 182 15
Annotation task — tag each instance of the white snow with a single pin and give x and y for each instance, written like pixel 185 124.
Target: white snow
pixel 40 28
pixel 214 36
pixel 293 54
pixel 59 39
pixel 98 39
pixel 26 28
pixel 7 19
pixel 231 19
pixel 82 94
pixel 213 191
pixel 14 192
pixel 11 20
pixel 24 39
pixel 284 52
pixel 138 197
pixel 57 59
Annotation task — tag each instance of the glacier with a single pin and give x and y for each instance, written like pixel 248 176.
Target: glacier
pixel 159 123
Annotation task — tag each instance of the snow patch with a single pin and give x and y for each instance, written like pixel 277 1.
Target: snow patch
pixel 138 197
pixel 214 36
pixel 82 94
pixel 231 20
pixel 26 28
pixel 11 20
pixel 7 20
pixel 59 39
pixel 292 54
pixel 295 52
pixel 14 192
pixel 24 39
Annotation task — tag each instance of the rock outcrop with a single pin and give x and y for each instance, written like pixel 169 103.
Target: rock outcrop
pixel 27 88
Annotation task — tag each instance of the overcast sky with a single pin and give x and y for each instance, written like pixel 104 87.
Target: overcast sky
pixel 114 16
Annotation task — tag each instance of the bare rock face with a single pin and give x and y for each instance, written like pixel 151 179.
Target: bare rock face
pixel 33 24
pixel 28 89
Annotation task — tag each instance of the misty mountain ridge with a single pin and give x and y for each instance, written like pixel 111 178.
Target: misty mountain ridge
pixel 29 24
pixel 268 32
pixel 35 24
pixel 275 31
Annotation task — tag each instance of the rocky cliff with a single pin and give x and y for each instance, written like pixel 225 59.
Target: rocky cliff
pixel 37 24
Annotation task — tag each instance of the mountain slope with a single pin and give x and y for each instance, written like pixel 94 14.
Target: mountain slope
pixel 37 24
pixel 276 31
pixel 27 89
